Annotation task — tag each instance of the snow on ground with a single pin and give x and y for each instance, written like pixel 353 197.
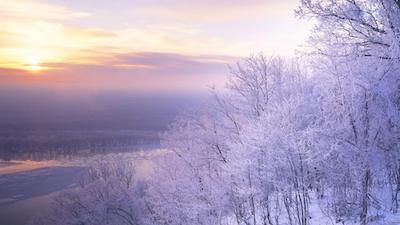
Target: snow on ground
pixel 319 217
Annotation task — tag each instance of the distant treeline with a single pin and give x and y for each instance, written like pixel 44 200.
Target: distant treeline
pixel 41 123
pixel 46 145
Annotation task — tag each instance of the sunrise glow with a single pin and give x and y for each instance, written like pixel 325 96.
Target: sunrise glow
pixel 33 63
pixel 75 37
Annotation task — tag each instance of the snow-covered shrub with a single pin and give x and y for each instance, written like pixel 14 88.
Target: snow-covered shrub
pixel 108 194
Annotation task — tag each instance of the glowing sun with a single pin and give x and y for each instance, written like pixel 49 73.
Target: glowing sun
pixel 33 64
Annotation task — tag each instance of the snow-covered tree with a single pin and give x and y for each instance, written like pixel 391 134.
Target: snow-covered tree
pixel 356 65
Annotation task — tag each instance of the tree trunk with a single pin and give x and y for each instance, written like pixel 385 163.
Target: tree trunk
pixel 364 200
pixel 287 204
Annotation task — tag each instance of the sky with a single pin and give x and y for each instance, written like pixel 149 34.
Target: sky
pixel 139 45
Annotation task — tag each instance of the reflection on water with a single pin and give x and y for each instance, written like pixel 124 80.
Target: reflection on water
pixel 21 212
pixel 23 194
pixel 141 157
pixel 15 166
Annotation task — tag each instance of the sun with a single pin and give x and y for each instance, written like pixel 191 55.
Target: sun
pixel 33 64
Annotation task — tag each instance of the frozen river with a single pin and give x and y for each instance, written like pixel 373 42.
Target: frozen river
pixel 26 187
pixel 24 194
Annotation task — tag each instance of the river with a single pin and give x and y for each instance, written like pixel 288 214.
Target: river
pixel 27 187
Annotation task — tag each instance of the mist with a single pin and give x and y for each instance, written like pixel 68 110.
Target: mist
pixel 42 120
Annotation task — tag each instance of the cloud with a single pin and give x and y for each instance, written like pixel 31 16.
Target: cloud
pixel 141 71
pixel 25 9
pixel 149 64
pixel 42 35
pixel 49 33
pixel 169 63
pixel 218 11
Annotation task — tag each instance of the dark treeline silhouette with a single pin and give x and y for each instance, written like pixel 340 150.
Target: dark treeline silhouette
pixel 46 125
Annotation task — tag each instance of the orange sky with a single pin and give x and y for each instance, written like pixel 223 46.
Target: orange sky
pixel 139 44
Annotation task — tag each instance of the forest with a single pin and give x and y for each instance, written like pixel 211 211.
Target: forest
pixel 308 140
